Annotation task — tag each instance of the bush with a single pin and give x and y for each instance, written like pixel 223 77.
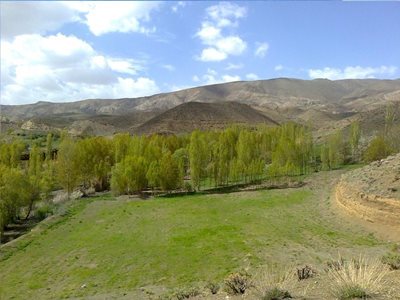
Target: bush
pixel 237 283
pixel 43 212
pixel 305 273
pixel 213 287
pixel 186 294
pixel 392 260
pixel 377 149
pixel 276 294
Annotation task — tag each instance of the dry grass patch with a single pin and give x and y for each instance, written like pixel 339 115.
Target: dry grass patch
pixel 359 278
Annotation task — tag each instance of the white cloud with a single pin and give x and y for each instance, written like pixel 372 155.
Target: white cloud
pixel 226 14
pixel 118 16
pixel 169 67
pixel 352 72
pixel 100 16
pixel 34 17
pixel 261 50
pixel 212 77
pixel 278 68
pixel 252 76
pixel 229 78
pixel 232 66
pixel 212 54
pixel 65 68
pixel 220 46
pixel 178 5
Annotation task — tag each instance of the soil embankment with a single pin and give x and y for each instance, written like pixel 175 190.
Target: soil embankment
pixel 372 194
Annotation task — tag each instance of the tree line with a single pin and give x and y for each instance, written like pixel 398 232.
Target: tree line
pixel 129 164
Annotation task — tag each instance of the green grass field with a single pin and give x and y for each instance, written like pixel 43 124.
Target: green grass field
pixel 114 246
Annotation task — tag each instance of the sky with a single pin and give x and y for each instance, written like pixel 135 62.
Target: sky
pixel 68 51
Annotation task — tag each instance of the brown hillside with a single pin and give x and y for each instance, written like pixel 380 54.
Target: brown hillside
pixel 197 115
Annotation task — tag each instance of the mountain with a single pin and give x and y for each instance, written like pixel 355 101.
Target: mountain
pixel 320 102
pixel 189 116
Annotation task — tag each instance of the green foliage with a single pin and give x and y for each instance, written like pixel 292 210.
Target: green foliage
pixel 129 175
pixel 355 135
pixel 43 212
pixel 169 172
pixel 197 158
pixel 10 153
pixel 67 165
pixel 15 192
pixel 377 149
pixel 351 292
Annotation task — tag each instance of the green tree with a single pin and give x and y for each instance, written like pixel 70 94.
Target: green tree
pixel 66 167
pixel 377 149
pixel 169 172
pixel 129 175
pixel 355 134
pixel 196 158
pixel 153 174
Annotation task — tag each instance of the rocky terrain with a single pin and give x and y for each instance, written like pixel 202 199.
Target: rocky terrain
pixel 373 194
pixel 195 115
pixel 323 103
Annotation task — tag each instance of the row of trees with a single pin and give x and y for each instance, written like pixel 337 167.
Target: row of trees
pixel 128 164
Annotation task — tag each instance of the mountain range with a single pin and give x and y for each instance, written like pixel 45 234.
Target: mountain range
pixel 322 103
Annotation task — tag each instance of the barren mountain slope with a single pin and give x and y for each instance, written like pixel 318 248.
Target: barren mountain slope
pixel 324 94
pixel 195 115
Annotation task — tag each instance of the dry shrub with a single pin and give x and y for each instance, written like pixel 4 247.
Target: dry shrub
pixel 237 283
pixel 392 260
pixel 359 278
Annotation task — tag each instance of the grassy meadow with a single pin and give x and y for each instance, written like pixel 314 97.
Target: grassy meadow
pixel 110 246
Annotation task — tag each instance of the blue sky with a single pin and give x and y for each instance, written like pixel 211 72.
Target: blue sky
pixel 66 51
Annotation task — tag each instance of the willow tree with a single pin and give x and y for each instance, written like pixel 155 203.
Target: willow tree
pixel 196 158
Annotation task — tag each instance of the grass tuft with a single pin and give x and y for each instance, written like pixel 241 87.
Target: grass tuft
pixel 276 294
pixel 359 278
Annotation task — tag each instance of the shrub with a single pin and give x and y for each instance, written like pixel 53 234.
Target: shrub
pixel 392 260
pixel 276 294
pixel 213 287
pixel 43 212
pixel 187 293
pixel 359 278
pixel 237 283
pixel 305 273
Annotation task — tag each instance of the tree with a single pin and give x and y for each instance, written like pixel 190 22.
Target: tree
pixel 377 149
pixel 355 134
pixel 169 172
pixel 49 147
pixel 196 158
pixel 153 174
pixel 35 170
pixel 14 194
pixel 66 168
pixel 129 175
pixel 182 159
